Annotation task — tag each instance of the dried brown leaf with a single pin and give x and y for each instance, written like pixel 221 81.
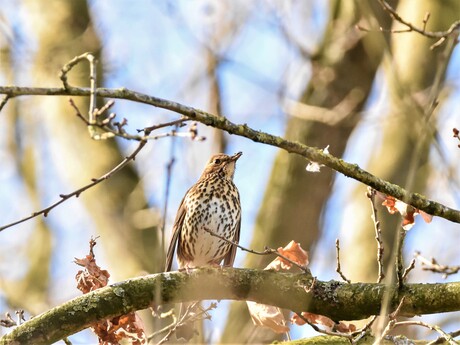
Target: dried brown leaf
pixel 267 316
pixel 314 319
pixel 292 251
pixel 111 331
pixel 408 212
pixel 345 328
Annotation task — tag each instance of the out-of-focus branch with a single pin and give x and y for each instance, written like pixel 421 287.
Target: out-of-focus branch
pixel 95 181
pixel 313 154
pixel 339 301
pixel 434 266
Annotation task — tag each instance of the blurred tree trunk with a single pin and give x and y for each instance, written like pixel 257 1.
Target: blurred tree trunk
pixel 63 30
pixel 31 291
pixel 413 72
pixel 342 77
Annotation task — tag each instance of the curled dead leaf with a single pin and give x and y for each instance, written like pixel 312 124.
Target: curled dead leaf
pixel 292 251
pixel 408 212
pixel 122 328
pixel 267 316
pixel 306 317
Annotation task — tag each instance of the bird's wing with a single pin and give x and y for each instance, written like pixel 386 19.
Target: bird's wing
pixel 230 257
pixel 178 222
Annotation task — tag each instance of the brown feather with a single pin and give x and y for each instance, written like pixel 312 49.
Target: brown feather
pixel 230 257
pixel 178 222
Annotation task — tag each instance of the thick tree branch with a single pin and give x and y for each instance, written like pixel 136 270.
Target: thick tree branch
pixel 351 170
pixel 339 301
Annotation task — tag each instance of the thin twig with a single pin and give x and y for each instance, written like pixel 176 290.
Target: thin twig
pixel 4 101
pixel 395 314
pixel 71 64
pixel 433 266
pixel 391 323
pixel 267 251
pixel 109 132
pixel 378 234
pixel 400 258
pixel 441 339
pixel 95 181
pixel 360 333
pixel 446 336
pixel 190 316
pixel 440 35
pixel 338 269
pixel 408 269
pixel 178 122
pixel 92 86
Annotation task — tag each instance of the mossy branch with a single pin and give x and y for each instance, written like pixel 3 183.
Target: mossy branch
pixel 296 292
pixel 313 154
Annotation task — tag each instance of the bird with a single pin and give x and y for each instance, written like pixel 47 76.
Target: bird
pixel 212 204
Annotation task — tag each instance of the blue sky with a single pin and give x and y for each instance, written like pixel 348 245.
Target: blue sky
pixel 154 47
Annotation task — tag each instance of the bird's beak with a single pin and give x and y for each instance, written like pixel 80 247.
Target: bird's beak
pixel 236 156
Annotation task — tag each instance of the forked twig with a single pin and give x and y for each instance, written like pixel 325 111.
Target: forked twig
pixel 434 266
pixel 338 268
pixel 440 35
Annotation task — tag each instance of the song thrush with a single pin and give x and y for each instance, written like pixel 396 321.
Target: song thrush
pixel 213 203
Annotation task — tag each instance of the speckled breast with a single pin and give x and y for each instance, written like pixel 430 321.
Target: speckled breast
pixel 214 204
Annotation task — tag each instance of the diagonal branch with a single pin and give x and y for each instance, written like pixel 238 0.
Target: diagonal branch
pixel 76 193
pixel 313 154
pixel 339 301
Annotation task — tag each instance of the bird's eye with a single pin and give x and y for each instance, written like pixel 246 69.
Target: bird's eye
pixel 217 161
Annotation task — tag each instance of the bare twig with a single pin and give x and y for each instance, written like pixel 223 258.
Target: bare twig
pixel 433 266
pixel 179 123
pixel 109 132
pixel 95 181
pixel 4 101
pixel 338 269
pixel 92 82
pixel 191 315
pixel 378 234
pixel 71 64
pixel 408 269
pixel 267 251
pixel 440 35
pixel 400 257
pixel 441 339
pixel 360 333
pixel 395 314
pixel 446 336
pixel 391 323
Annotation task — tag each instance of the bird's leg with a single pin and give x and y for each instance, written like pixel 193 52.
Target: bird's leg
pixel 186 269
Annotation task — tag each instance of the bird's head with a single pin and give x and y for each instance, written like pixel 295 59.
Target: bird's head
pixel 221 164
